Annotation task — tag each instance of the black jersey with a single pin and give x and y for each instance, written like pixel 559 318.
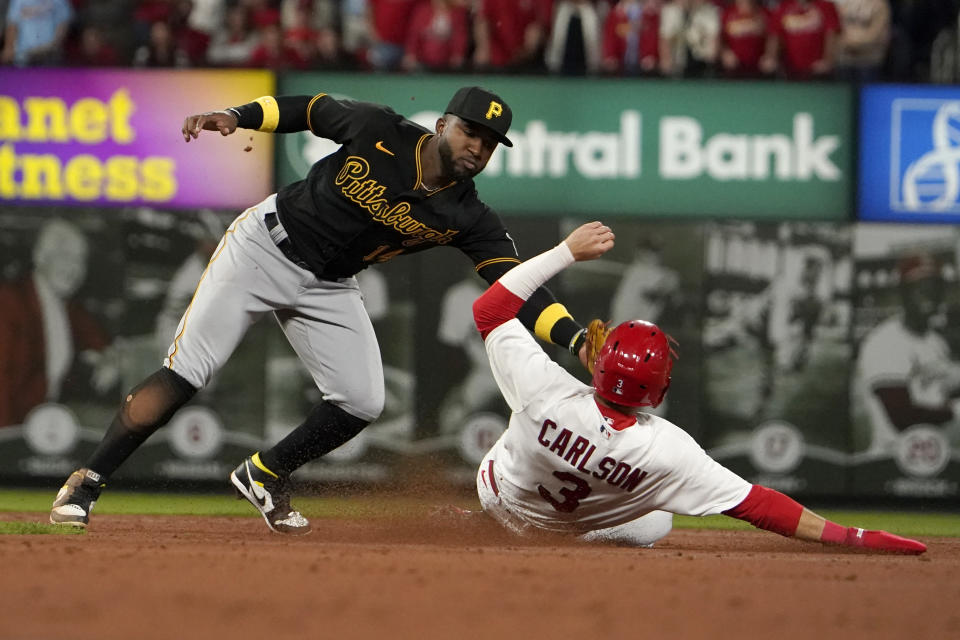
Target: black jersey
pixel 364 203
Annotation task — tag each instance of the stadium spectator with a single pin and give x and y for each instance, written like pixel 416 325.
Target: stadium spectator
pixel 192 42
pixel 273 53
pixel 689 37
pixel 574 46
pixel 744 27
pixel 147 13
pixel 161 50
pixel 864 37
pixel 262 12
pixel 437 37
pixel 298 29
pixel 233 45
pixel 354 30
pixel 916 24
pixel 312 27
pixel 208 16
pixel 35 32
pixel 631 37
pixel 509 35
pixel 803 39
pixel 92 50
pixel 389 20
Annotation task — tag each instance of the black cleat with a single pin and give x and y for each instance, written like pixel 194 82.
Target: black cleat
pixel 76 498
pixel 270 494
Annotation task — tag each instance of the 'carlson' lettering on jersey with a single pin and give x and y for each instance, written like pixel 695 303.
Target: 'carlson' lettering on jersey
pixel 578 454
pixel 369 195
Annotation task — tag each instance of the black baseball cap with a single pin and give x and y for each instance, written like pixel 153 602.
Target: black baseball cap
pixel 483 107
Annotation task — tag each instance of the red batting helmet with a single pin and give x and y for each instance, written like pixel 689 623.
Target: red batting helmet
pixel 633 366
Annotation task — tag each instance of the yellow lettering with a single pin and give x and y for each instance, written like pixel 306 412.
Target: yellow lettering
pixel 83 176
pixel 46 120
pixel 41 177
pixel 88 121
pixel 9 119
pixel 121 109
pixel 121 178
pixel 157 179
pixel 355 168
pixel 8 164
pixel 495 110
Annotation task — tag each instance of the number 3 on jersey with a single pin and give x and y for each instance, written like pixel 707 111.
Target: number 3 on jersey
pixel 571 495
pixel 380 254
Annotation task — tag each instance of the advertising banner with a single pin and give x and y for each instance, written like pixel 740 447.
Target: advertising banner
pixel 114 138
pixel 645 148
pixel 905 413
pixel 777 353
pixel 909 154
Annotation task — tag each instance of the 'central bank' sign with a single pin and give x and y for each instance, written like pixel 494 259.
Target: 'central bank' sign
pixel 644 148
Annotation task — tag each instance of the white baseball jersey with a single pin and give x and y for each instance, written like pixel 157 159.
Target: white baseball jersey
pixel 562 465
pixel 891 355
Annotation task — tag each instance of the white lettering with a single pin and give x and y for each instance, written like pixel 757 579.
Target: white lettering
pixel 727 157
pixel 596 155
pixel 684 154
pixel 680 148
pixel 539 152
pixel 813 155
pixel 631 136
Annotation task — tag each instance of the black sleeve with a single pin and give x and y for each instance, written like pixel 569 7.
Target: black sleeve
pixel 292 116
pixel 326 117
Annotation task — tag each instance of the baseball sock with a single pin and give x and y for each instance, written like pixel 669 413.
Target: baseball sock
pixel 145 409
pixel 327 427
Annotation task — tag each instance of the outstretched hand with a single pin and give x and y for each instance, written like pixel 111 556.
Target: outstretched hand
pixel 590 241
pixel 222 121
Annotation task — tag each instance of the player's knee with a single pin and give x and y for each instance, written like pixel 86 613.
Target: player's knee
pixel 367 407
pixel 656 525
pixel 151 404
pixel 642 532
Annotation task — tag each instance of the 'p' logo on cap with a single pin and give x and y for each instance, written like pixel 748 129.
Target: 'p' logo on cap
pixel 483 107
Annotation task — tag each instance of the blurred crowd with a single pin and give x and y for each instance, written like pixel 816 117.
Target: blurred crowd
pixel 859 40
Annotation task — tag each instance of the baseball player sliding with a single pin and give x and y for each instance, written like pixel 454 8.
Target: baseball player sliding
pixel 583 460
pixel 393 188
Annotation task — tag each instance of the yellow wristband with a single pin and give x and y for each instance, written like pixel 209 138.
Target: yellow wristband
pixel 549 317
pixel 271 113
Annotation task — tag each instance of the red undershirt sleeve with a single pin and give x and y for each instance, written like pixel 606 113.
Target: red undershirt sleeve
pixel 768 509
pixel 496 306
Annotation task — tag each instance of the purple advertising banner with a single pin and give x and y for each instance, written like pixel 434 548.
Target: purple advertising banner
pixel 113 138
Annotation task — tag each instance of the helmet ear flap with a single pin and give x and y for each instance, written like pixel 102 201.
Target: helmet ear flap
pixel 663 394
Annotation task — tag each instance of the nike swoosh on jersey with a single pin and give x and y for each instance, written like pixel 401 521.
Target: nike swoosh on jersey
pixel 380 147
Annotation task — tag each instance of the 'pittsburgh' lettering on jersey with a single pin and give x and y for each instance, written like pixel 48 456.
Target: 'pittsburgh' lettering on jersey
pixel 369 195
pixel 578 454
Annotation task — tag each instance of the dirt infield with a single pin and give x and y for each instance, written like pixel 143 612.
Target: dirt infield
pixel 137 577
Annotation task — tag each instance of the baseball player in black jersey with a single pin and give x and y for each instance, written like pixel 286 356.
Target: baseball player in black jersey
pixel 393 188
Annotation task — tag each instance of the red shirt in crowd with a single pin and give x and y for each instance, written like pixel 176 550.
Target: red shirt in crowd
pixel 390 19
pixel 507 22
pixel 274 52
pixel 802 27
pixel 438 37
pixel 744 32
pixel 617 29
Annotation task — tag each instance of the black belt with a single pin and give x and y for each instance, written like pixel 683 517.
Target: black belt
pixel 280 238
